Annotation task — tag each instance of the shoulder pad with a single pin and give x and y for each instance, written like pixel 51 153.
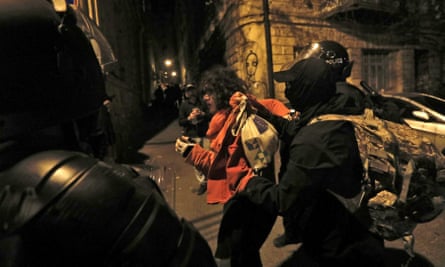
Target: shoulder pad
pixel 35 182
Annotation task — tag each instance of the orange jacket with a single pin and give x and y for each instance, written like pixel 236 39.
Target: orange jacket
pixel 224 164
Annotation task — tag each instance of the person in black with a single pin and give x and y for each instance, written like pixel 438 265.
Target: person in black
pixel 324 162
pixel 193 118
pixel 194 121
pixel 166 101
pixel 59 205
pixel 336 55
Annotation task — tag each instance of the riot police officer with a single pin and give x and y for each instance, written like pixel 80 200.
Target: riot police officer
pixel 60 206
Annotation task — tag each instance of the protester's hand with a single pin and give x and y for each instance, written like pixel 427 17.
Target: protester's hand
pixel 194 115
pixel 236 99
pixel 293 115
pixel 107 104
pixel 184 145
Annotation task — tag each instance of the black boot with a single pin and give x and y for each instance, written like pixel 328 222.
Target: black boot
pixel 201 189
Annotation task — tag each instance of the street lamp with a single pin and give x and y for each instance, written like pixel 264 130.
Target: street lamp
pixel 169 72
pixel 168 62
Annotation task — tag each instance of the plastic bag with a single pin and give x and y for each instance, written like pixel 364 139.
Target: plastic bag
pixel 258 136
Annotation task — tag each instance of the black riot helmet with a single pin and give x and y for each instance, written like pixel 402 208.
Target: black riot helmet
pixel 48 69
pixel 333 53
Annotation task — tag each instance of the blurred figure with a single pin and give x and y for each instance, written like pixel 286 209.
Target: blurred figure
pixel 194 122
pixel 60 206
pixel 166 102
pixel 103 138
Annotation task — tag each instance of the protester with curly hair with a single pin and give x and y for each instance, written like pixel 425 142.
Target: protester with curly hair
pixel 224 163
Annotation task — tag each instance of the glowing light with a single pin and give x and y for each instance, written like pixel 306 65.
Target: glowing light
pixel 168 62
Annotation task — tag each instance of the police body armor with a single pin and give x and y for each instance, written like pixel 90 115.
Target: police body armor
pixel 60 208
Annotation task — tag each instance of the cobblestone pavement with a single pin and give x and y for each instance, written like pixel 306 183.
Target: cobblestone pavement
pixel 178 180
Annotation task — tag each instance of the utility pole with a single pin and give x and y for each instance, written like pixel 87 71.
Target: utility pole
pixel 268 49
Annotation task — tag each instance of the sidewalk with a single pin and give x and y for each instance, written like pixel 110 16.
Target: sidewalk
pixel 179 179
pixel 178 191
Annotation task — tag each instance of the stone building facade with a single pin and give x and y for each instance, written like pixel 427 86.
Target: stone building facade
pixel 395 45
pixel 259 36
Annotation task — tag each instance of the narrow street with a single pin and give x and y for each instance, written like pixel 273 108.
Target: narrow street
pixel 104 79
pixel 177 180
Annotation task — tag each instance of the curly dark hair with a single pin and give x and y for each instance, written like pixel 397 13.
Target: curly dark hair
pixel 221 82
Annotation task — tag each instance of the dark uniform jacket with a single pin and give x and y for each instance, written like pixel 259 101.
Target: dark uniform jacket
pixel 323 157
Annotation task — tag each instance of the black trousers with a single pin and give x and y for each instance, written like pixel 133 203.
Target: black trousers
pixel 243 230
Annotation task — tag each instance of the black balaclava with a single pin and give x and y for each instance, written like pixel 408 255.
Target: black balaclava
pixel 313 83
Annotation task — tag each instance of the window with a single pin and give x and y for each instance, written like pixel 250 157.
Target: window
pixel 375 68
pixel 431 103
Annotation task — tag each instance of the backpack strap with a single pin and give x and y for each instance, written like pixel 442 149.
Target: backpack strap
pixel 367 124
pixel 377 158
pixel 241 117
pixel 385 153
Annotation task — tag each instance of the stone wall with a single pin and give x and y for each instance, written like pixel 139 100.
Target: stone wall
pixel 122 24
pixel 293 24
